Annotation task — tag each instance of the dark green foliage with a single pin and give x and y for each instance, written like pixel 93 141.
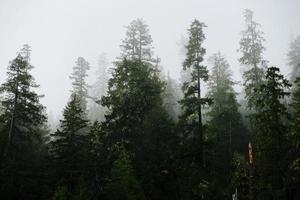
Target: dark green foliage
pixel 194 49
pixel 81 192
pixel 61 193
pixel 155 152
pixel 123 183
pixel 137 119
pixel 271 138
pixel 133 91
pixel 22 110
pixel 227 134
pixel 21 135
pixel 240 176
pixel 98 162
pixel 144 146
pixel 296 112
pixel 68 147
pixel 191 130
pixel 191 118
pixel 294 139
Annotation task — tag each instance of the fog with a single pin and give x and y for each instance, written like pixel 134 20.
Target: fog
pixel 60 31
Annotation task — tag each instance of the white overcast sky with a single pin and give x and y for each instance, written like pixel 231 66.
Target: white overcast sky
pixel 61 30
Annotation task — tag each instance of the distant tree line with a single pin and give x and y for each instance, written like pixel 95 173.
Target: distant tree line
pixel 133 135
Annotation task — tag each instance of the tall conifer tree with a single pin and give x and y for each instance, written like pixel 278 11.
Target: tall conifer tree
pixel 251 48
pixel 192 101
pixel 227 135
pixel 80 86
pixel 137 44
pixel 21 119
pixel 271 137
pixel 68 148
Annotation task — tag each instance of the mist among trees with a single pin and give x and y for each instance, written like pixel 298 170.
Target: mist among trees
pixel 138 133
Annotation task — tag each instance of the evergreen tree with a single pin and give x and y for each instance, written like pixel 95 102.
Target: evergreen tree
pixel 69 145
pixel 271 137
pixel 21 119
pixel 193 177
pixel 80 87
pixel 227 134
pixel 133 91
pixel 224 114
pixel 251 48
pixel 220 83
pixel 136 118
pixel 240 176
pixel 294 58
pixel 192 100
pixel 137 44
pixel 98 163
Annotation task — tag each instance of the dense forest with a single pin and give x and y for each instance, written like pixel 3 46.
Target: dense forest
pixel 138 134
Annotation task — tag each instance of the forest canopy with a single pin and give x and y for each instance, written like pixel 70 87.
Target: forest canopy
pixel 136 133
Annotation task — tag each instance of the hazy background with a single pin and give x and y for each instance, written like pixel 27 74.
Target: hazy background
pixel 59 31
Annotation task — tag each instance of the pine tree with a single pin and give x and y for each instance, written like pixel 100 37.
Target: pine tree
pixel 271 138
pixel 192 172
pixel 137 119
pixel 294 58
pixel 69 145
pixel 224 112
pixel 251 48
pixel 22 118
pixel 80 87
pixel 98 161
pixel 133 91
pixel 137 44
pixel 227 134
pixel 220 82
pixel 192 100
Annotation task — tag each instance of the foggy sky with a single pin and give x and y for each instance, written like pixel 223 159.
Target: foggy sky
pixel 59 31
